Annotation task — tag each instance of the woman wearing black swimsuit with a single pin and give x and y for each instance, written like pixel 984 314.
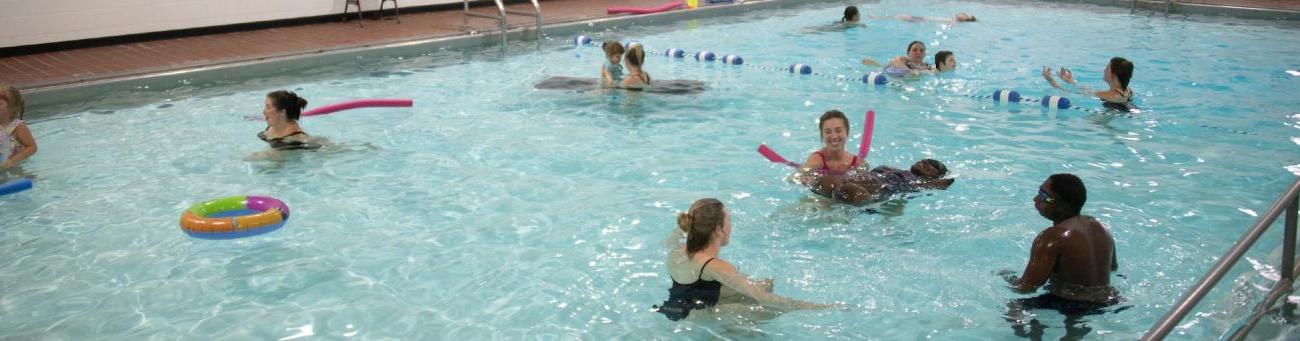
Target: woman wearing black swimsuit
pixel 1117 74
pixel 701 280
pixel 281 110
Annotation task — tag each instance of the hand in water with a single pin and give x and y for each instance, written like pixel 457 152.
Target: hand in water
pixel 1047 73
pixel 1066 75
pixel 1009 275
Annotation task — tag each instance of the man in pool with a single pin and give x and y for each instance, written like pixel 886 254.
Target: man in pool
pixel 882 182
pixel 1076 254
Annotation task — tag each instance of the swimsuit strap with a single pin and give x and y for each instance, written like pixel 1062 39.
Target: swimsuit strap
pixel 706 263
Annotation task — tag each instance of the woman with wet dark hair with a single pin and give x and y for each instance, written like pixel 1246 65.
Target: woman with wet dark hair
pixel 1117 74
pixel 282 110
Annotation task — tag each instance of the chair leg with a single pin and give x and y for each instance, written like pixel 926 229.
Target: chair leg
pixel 396 12
pixel 345 9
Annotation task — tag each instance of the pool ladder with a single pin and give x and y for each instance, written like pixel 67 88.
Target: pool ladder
pixel 1287 271
pixel 501 17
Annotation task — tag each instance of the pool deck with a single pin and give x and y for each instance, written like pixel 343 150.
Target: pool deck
pixel 95 63
pixel 84 64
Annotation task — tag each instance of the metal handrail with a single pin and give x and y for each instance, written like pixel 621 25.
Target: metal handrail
pixel 501 17
pixel 537 13
pixel 1184 306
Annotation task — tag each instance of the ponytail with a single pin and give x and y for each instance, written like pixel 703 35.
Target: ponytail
pixel 289 102
pixel 705 216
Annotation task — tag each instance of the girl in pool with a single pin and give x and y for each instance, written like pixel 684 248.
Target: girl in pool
pixel 16 140
pixel 636 78
pixel 611 73
pixel 702 280
pixel 281 110
pixel 1117 74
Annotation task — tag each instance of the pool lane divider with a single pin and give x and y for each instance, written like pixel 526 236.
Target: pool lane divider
pixel 875 79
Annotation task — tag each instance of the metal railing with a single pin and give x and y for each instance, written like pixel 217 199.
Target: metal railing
pixel 1287 271
pixel 500 17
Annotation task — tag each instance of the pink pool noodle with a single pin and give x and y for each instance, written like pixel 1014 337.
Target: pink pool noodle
pixel 645 10
pixel 353 104
pixel 868 127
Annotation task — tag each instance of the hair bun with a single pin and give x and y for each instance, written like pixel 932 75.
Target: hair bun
pixel 684 222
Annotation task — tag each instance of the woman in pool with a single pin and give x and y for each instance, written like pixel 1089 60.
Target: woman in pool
pixel 911 63
pixel 702 280
pixel 636 78
pixel 850 15
pixel 281 110
pixel 1117 74
pixel 914 60
pixel 832 158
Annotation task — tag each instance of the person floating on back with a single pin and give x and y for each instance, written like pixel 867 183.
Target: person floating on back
pixel 1074 257
pixel 16 140
pixel 835 173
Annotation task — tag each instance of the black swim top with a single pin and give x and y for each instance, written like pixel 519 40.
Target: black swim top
pixel 682 298
pixel 280 143
pixel 1126 105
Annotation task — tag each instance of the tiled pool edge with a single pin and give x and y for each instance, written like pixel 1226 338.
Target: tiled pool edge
pixel 62 93
pixel 1198 9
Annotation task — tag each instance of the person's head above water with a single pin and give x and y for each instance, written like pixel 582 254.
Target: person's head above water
pixel 1061 197
pixel 704 223
pixel 916 50
pixel 929 169
pixel 833 128
pixel 613 51
pixel 635 56
pixel 963 17
pixel 850 14
pixel 1119 70
pixel 13 103
pixel 283 105
pixel 945 61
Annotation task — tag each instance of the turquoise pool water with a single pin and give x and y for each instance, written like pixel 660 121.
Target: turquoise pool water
pixel 495 210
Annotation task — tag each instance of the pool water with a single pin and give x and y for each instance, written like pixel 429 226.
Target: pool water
pixel 495 210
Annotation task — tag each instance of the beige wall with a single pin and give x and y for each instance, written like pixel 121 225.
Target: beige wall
pixel 30 22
